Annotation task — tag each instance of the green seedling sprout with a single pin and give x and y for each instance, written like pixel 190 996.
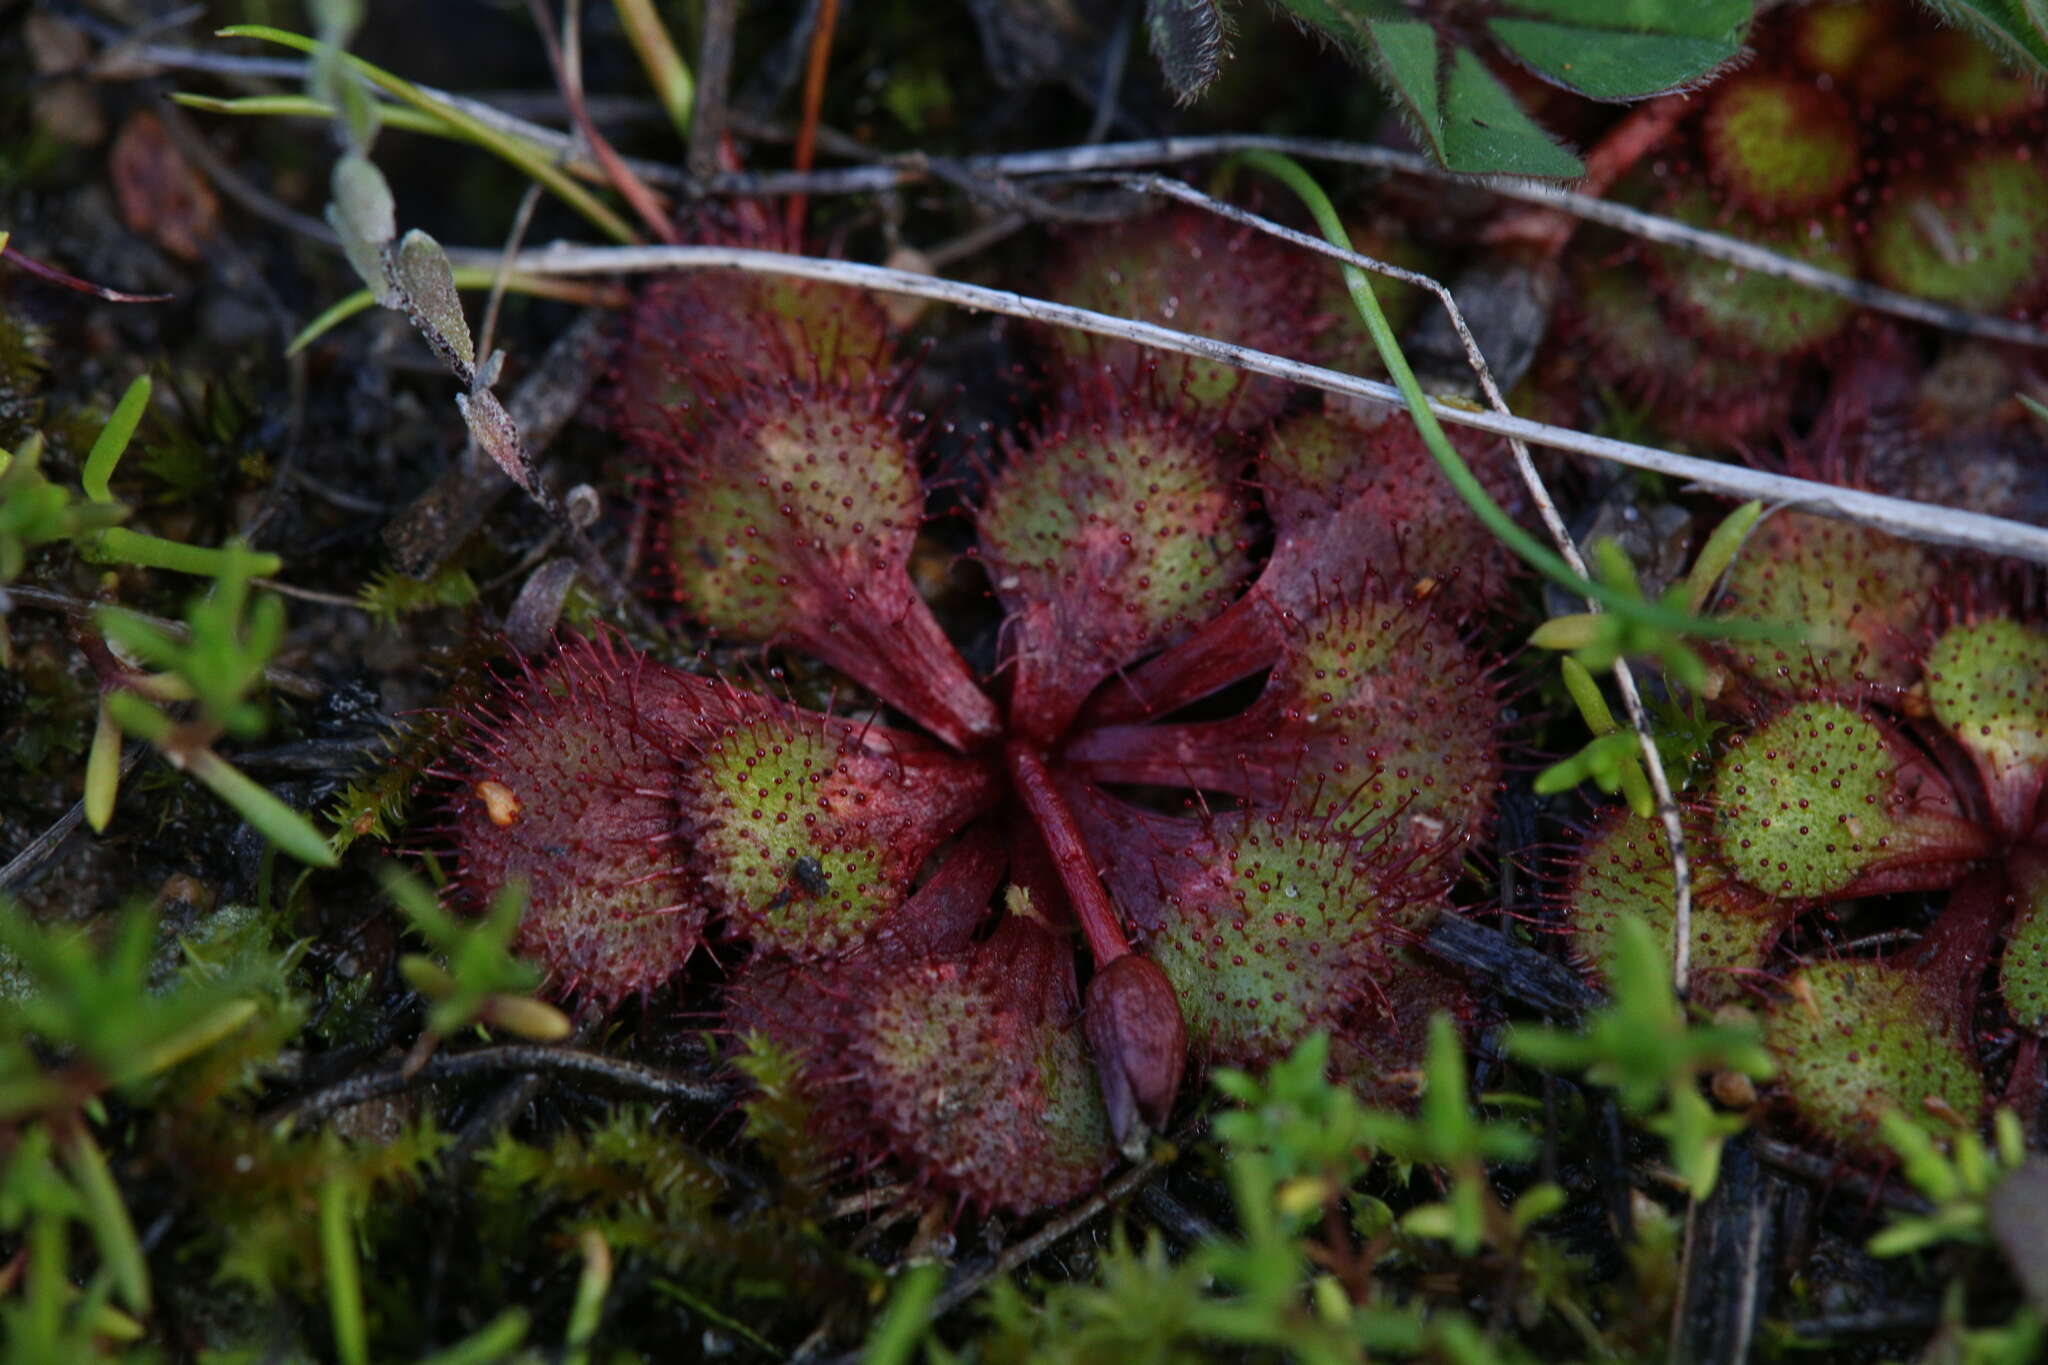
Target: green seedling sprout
pixel 1445 1134
pixel 1613 760
pixel 91 1018
pixel 1644 1047
pixel 482 982
pixel 221 662
pixel 1957 1182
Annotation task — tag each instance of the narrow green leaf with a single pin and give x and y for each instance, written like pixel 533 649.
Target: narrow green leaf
pixel 344 1274
pixel 107 1215
pixel 119 545
pixel 531 160
pixel 103 770
pixel 112 442
pixel 272 818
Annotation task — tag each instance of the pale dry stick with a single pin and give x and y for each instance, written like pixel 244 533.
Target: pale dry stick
pixel 892 173
pixel 1903 517
pixel 1560 535
pixel 1113 156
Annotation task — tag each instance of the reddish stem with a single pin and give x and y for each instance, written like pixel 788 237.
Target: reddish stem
pixel 569 80
pixel 888 641
pixel 1033 783
pixel 1954 952
pixel 56 276
pixel 814 100
pixel 1245 638
pixel 1618 150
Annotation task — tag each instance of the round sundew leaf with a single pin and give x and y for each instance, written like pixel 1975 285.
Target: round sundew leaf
pixel 1750 313
pixel 1976 237
pixel 1281 926
pixel 997 1103
pixel 1397 717
pixel 805 837
pixel 1364 497
pixel 1988 683
pixel 1624 869
pixel 1781 144
pixel 1700 394
pixel 2023 968
pixel 966 1067
pixel 695 337
pixel 779 493
pixel 1809 801
pixel 1858 595
pixel 1195 272
pixel 1855 1039
pixel 565 790
pixel 1381 1049
pixel 1115 533
pixel 1968 83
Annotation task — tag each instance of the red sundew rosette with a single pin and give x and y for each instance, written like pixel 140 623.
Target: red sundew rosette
pixel 788 516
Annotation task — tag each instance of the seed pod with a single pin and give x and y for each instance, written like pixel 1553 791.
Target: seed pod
pixel 1140 1042
pixel 566 786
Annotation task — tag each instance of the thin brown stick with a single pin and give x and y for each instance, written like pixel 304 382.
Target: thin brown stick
pixel 565 57
pixel 814 104
pixel 516 1057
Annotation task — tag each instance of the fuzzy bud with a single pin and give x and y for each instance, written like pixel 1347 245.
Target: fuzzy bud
pixel 1140 1041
